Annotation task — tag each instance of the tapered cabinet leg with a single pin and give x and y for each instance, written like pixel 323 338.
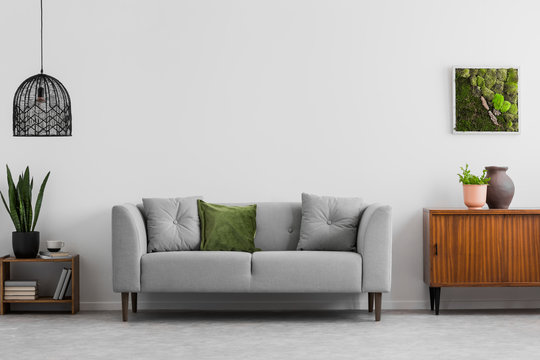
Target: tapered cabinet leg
pixel 431 297
pixel 437 295
pixel 125 303
pixel 370 302
pixel 378 303
pixel 134 302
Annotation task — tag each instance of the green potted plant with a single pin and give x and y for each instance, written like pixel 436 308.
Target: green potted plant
pixel 474 188
pixel 25 240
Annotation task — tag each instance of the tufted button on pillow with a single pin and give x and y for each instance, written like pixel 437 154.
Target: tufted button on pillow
pixel 290 230
pixel 318 232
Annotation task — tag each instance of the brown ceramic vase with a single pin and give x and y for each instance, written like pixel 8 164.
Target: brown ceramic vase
pixel 501 188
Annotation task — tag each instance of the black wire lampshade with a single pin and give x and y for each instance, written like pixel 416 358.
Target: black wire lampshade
pixel 41 107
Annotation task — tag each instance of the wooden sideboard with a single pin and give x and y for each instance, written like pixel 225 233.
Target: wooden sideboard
pixel 480 248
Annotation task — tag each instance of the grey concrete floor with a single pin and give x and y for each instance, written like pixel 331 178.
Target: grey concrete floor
pixel 500 334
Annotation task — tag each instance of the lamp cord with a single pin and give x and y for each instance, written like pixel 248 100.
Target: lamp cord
pixel 41 6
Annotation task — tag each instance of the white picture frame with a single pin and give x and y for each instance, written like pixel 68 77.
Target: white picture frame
pixel 455 110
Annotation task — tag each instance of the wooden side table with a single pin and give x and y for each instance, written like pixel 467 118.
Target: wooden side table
pixel 5 264
pixel 480 248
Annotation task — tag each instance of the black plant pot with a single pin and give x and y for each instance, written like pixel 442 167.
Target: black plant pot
pixel 25 244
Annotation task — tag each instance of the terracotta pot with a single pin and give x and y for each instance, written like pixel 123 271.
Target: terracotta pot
pixel 474 196
pixel 501 188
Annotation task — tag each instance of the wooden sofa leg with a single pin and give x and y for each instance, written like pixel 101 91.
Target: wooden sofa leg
pixel 370 302
pixel 125 303
pixel 378 301
pixel 134 302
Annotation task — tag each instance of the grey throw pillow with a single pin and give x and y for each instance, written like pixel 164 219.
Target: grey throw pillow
pixel 172 224
pixel 329 223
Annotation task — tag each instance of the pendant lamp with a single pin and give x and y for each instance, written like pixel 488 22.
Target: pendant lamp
pixel 41 106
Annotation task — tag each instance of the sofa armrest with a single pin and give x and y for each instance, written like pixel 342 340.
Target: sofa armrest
pixel 128 245
pixel 374 243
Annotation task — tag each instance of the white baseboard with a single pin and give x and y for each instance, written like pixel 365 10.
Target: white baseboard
pixel 467 304
pixel 315 305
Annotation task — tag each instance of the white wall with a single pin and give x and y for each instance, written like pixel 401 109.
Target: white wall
pixel 260 101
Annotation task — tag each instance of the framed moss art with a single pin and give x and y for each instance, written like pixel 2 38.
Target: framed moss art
pixel 486 100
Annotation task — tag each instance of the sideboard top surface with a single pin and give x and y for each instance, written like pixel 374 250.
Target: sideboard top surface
pixel 463 211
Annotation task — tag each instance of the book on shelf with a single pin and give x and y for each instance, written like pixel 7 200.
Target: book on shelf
pixel 61 280
pixel 66 284
pixel 20 297
pixel 54 255
pixel 19 283
pixel 19 292
pixel 20 288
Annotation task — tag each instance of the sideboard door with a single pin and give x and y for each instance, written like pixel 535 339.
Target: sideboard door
pixel 467 250
pixel 521 241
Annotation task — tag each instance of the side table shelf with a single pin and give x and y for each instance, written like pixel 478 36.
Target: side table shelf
pixel 5 269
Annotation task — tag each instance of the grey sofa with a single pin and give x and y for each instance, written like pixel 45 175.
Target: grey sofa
pixel 278 268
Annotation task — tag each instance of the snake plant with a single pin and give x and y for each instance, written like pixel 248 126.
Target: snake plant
pixel 20 200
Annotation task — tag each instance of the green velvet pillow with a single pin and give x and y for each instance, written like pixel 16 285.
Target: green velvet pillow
pixel 227 228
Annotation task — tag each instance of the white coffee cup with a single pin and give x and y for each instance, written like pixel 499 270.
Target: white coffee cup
pixel 54 245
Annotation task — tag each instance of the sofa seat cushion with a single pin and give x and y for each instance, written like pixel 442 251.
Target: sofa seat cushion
pixel 196 271
pixel 306 271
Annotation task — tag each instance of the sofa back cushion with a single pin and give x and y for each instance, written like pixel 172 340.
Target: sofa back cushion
pixel 278 226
